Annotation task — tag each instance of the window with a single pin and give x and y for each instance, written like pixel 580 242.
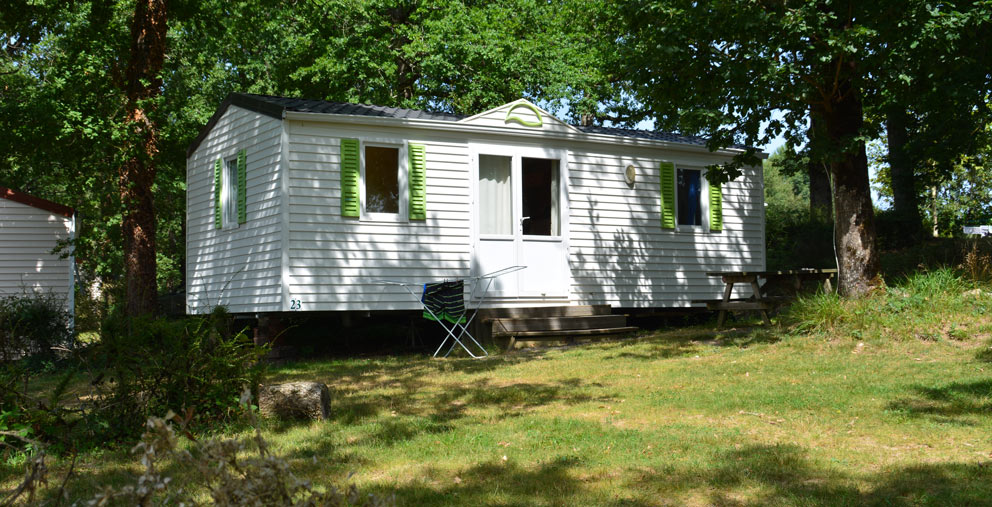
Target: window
pixel 689 189
pixel 382 182
pixel 229 193
pixel 495 197
pixel 539 196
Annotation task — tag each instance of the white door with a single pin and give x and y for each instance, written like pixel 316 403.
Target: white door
pixel 520 210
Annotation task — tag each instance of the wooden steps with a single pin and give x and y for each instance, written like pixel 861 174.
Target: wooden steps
pixel 555 322
pixel 563 333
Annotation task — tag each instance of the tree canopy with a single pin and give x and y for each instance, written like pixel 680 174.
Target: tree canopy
pixel 720 68
pixel 98 117
pixel 67 105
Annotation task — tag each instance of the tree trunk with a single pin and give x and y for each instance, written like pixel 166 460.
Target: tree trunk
pixel 854 216
pixel 905 204
pixel 406 74
pixel 142 83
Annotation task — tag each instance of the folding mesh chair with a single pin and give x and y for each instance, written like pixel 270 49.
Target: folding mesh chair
pixel 444 303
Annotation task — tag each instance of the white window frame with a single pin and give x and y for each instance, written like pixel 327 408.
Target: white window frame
pixel 229 193
pixel 704 202
pixel 516 154
pixel 402 178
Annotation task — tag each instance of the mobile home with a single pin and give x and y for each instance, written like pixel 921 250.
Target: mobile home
pixel 31 229
pixel 302 205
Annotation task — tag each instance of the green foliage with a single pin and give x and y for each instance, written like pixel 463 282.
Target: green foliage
pixel 196 364
pixel 32 324
pixel 786 188
pixel 61 63
pixel 792 238
pixel 722 68
pixel 912 308
pixel 963 184
pixel 233 471
pixel 27 419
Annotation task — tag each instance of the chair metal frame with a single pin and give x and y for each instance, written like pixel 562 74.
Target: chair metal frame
pixel 461 328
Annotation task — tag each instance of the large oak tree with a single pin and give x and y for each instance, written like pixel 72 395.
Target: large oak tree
pixel 719 68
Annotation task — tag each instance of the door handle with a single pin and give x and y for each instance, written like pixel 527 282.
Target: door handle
pixel 522 220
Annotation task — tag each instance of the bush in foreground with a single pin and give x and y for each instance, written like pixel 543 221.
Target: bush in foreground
pixel 147 366
pixel 232 472
pixel 34 326
pixel 140 367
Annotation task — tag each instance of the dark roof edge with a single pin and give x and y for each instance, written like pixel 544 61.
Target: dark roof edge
pixel 235 99
pixel 37 202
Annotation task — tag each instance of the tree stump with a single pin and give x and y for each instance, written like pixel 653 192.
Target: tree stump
pixel 295 400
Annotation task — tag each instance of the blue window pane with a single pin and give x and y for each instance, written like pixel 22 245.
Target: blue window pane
pixel 689 191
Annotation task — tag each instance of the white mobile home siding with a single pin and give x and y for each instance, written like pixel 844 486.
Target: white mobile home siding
pixel 237 268
pixel 334 260
pixel 27 265
pixel 297 251
pixel 620 255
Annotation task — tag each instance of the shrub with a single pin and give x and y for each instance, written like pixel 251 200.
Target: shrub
pixel 976 264
pixel 796 241
pixel 25 419
pixel 921 305
pixel 32 325
pixel 151 365
pixel 231 472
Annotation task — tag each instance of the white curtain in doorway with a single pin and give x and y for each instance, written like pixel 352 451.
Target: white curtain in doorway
pixel 495 195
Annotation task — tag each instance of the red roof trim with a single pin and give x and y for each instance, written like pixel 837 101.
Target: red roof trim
pixel 37 202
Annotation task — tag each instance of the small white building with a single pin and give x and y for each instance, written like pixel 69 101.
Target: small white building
pixel 30 231
pixel 300 205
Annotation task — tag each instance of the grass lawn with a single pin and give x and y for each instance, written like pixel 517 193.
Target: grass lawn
pixel 683 417
pixel 689 416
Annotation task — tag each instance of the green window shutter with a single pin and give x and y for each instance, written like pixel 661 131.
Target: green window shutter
pixel 418 182
pixel 218 181
pixel 716 207
pixel 667 195
pixel 242 188
pixel 349 178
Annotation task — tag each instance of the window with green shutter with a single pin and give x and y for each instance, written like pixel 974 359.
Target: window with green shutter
pixel 667 195
pixel 218 189
pixel 350 172
pixel 716 207
pixel 418 182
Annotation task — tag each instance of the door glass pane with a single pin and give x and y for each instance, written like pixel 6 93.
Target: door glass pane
pixel 382 186
pixel 689 192
pixel 495 195
pixel 539 195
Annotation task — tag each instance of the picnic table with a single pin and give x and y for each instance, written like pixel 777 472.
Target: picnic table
pixel 761 300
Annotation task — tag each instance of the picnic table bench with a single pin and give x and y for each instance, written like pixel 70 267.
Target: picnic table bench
pixel 761 300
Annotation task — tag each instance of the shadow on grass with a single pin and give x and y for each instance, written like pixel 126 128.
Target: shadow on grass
pixel 951 403
pixel 678 344
pixel 392 400
pixel 496 483
pixel 782 474
pixel 985 354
